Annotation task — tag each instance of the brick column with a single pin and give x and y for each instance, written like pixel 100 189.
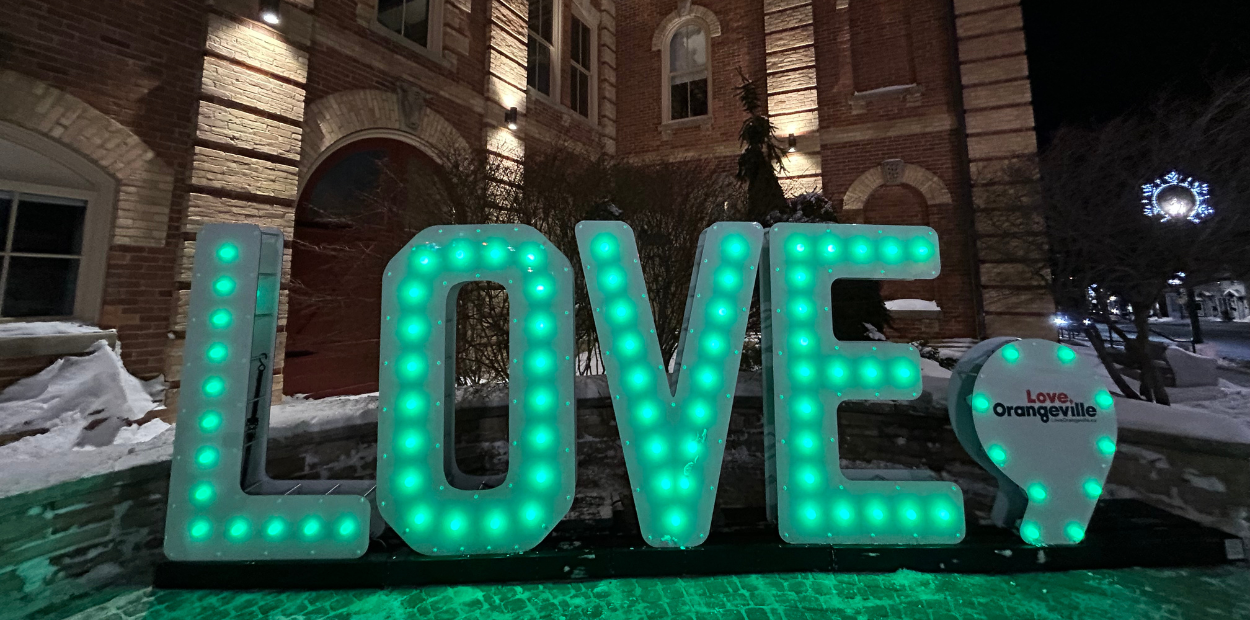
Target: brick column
pixel 998 115
pixel 790 61
pixel 247 141
pixel 506 80
pixel 607 75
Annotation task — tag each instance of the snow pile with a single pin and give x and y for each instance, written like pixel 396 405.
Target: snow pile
pixel 895 305
pixel 45 328
pixel 77 402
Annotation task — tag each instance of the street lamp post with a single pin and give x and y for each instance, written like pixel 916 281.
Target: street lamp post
pixel 1178 199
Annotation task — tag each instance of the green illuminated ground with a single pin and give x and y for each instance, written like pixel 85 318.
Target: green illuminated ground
pixel 1121 594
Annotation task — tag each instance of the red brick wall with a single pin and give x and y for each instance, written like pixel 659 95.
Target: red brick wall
pixel 138 62
pixel 740 46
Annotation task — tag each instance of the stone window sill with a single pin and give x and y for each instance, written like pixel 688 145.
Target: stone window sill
pixel 668 127
pixel 435 56
pixel 12 347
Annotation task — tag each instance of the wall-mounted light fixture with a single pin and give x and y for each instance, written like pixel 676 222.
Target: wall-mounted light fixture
pixel 269 11
pixel 509 117
pixel 794 144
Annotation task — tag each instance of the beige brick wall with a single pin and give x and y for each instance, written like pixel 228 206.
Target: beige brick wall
pixel 246 167
pixel 145 182
pixel 999 124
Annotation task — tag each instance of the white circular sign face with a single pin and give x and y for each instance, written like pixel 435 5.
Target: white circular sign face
pixel 1047 422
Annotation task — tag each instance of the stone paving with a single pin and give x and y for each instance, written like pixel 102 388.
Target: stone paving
pixel 1219 592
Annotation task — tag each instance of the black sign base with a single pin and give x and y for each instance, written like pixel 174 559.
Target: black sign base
pixel 1124 533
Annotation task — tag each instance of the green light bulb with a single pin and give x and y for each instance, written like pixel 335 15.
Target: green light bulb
pixel 415 293
pixel 210 421
pixel 531 255
pixel 997 454
pixel 612 279
pixel 1030 531
pixel 238 528
pixel 844 514
pixel 224 286
pixel 202 493
pixel 219 318
pixel 891 251
pixel 944 515
pixel 275 528
pixel 1092 488
pixel 1075 532
pixel 1011 353
pixel 312 528
pixel 1037 492
pixel 675 519
pixel 981 403
pixel 200 529
pixel 214 387
pixel 1103 399
pixel 1066 355
pixel 910 514
pixel 734 247
pixel 605 247
pixel 347 527
pixel 218 352
pixel 811 514
pixel 728 280
pixel 207 457
pixel 1106 446
pixel 920 249
pixel 227 252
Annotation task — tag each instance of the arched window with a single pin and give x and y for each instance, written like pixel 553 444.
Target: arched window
pixel 55 215
pixel 686 72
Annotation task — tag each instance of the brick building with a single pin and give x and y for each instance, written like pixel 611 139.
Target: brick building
pixel 126 125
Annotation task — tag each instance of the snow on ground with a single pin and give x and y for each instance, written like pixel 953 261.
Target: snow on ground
pixel 910 304
pixel 44 328
pixel 1218 413
pixel 77 403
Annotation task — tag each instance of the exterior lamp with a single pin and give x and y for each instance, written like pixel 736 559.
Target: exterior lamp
pixel 510 117
pixel 269 11
pixel 793 144
pixel 1174 197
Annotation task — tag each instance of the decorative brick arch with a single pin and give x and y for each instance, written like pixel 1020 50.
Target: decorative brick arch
pixel 340 118
pixel 684 11
pixel 145 183
pixel 893 172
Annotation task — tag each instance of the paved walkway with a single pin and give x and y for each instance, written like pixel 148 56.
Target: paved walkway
pixel 1216 593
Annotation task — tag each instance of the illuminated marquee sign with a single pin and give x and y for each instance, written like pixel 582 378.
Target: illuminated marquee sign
pixel 222 507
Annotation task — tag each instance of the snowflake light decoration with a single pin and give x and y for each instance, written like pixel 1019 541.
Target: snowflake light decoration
pixel 1175 197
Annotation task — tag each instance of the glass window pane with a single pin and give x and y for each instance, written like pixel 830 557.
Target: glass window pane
pixel 698 97
pixel 575 40
pixel 49 225
pixel 6 199
pixel 540 18
pixel 40 287
pixel 679 105
pixel 417 21
pixel 538 69
pixel 391 14
pixel 687 50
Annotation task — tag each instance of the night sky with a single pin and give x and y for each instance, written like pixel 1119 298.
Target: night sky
pixel 1092 60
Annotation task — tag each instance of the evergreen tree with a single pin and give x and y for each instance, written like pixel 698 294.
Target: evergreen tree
pixel 859 313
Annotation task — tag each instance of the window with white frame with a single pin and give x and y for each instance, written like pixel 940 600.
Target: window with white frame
pixel 41 250
pixel 687 72
pixel 541 45
pixel 579 67
pixel 56 212
pixel 410 19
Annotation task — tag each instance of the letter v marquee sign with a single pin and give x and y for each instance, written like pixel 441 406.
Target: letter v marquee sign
pixel 223 507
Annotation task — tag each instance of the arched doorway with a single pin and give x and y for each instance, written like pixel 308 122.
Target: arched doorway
pixel 900 205
pixel 360 205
